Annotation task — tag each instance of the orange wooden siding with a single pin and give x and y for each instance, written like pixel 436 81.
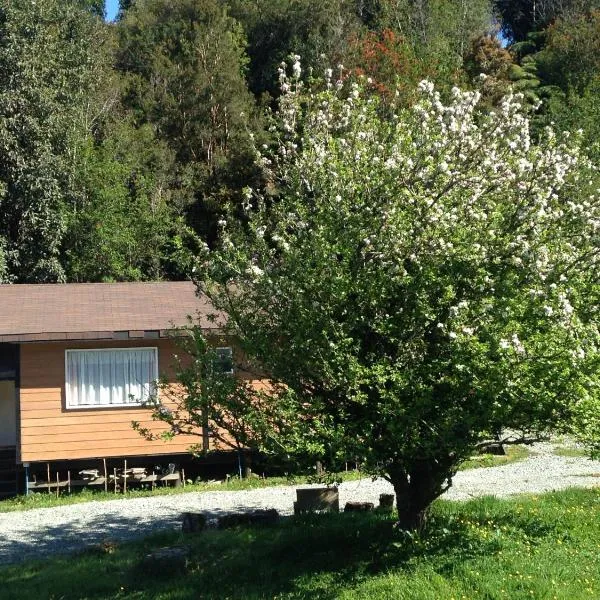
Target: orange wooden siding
pixel 49 431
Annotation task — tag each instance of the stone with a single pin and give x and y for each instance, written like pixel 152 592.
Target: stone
pixel 193 522
pixel 359 507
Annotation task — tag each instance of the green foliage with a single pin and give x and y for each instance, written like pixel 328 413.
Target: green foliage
pixel 429 37
pixel 438 30
pixel 560 66
pixel 47 62
pixel 96 7
pixel 115 134
pixel 3 263
pixel 317 31
pixel 571 54
pixel 513 454
pixel 183 65
pixel 528 79
pixel 581 111
pixel 529 547
pixel 519 18
pixel 125 226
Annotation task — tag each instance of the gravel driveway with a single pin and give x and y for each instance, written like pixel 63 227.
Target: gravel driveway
pixel 45 531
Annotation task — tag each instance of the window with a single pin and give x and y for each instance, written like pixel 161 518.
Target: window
pixel 111 377
pixel 223 360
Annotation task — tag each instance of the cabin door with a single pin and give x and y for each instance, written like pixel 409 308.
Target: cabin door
pixel 8 413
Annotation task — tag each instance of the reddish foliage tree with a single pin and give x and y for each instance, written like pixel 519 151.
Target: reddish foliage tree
pixel 389 63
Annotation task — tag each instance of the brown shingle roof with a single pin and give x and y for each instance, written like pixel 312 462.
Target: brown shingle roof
pixel 97 310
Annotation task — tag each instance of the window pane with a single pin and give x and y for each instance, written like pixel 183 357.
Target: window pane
pixel 109 377
pixel 223 360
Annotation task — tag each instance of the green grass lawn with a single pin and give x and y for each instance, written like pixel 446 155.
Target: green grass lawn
pixel 540 547
pixel 513 454
pixel 570 452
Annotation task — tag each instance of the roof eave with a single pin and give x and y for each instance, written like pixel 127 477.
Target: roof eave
pixel 85 336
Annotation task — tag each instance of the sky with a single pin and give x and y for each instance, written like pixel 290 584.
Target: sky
pixel 112 7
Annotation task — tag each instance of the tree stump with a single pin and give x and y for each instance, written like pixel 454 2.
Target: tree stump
pixel 317 500
pixel 193 522
pixel 386 503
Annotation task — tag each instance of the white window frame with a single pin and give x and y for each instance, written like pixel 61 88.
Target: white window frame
pixel 70 406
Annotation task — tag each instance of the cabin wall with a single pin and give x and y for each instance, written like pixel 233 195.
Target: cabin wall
pixel 50 431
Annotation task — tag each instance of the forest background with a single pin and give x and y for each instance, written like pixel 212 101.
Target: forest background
pixel 123 143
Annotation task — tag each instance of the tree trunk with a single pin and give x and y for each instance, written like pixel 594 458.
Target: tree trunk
pixel 412 505
pixel 416 490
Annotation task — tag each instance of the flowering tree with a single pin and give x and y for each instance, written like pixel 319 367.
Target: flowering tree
pixel 416 282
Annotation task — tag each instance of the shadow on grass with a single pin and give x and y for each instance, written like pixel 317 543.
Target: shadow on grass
pixel 313 556
pixel 27 541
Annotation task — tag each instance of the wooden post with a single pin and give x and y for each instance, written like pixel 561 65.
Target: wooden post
pixel 69 480
pixel 183 476
pixel 105 476
pixel 57 486
pixel 48 473
pixel 153 479
pixel 115 478
pixel 125 477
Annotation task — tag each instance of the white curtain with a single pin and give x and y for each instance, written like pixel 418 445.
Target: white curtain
pixel 110 377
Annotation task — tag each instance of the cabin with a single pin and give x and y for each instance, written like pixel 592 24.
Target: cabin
pixel 76 363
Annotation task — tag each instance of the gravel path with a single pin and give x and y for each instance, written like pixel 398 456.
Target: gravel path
pixel 45 531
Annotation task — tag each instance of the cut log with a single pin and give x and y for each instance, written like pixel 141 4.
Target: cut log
pixel 325 499
pixel 359 507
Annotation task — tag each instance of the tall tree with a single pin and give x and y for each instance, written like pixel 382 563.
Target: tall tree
pixel 570 57
pixel 96 7
pixel 126 226
pixel 47 71
pixel 3 263
pixel 389 62
pixel 437 29
pixel 317 31
pixel 521 17
pixel 183 63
